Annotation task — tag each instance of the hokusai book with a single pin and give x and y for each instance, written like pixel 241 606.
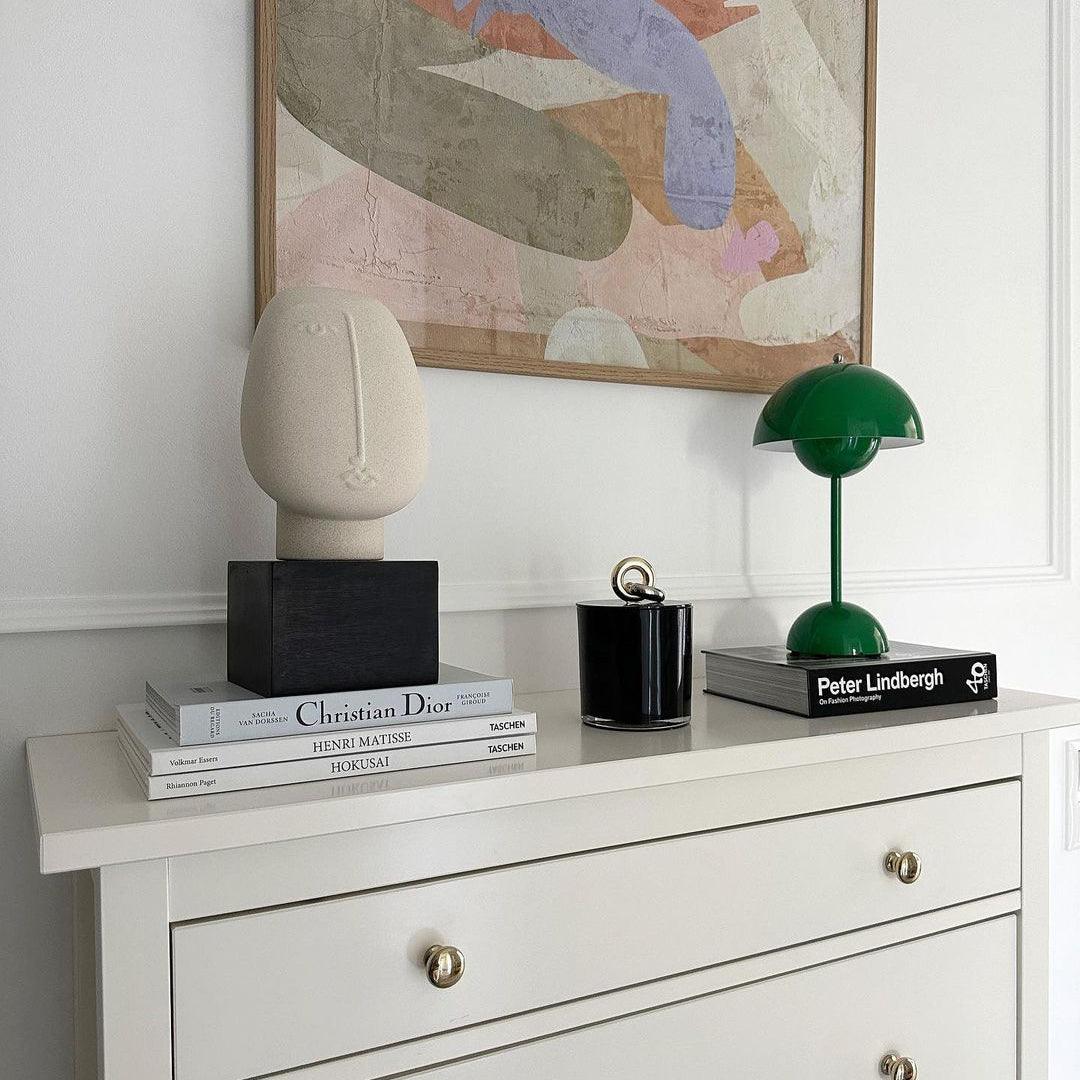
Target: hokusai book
pixel 906 677
pixel 273 774
pixel 161 755
pixel 206 712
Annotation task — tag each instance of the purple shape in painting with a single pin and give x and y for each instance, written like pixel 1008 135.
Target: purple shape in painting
pixel 643 45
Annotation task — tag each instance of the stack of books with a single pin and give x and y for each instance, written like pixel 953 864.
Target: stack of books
pixel 191 739
pixel 907 676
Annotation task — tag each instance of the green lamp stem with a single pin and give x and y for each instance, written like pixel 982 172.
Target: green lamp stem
pixel 836 628
pixel 834 516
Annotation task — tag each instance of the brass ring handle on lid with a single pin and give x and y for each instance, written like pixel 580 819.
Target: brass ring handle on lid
pixel 905 866
pixel 445 965
pixel 635 591
pixel 898 1068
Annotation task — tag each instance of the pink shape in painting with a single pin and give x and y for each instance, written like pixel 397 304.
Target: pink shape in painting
pixel 430 265
pixel 747 251
pixel 425 263
pixel 670 280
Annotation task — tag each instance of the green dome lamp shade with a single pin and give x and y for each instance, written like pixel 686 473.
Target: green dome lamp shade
pixel 835 418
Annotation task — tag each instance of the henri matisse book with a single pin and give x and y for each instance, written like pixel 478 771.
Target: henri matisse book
pixel 905 677
pixel 160 755
pixel 276 773
pixel 195 713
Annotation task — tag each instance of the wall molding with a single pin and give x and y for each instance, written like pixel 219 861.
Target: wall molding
pixel 114 611
pixel 59 613
pixel 1061 272
pixel 499 596
pixel 31 614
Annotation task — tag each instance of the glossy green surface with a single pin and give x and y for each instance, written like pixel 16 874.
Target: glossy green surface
pixel 835 418
pixel 838 402
pixel 836 458
pixel 837 629
pixel 836 535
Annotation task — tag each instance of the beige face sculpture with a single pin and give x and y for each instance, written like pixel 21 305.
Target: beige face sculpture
pixel 332 421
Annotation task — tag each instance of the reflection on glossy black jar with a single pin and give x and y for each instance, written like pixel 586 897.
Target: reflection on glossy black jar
pixel 635 661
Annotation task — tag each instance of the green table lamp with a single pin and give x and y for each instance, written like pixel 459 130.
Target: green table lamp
pixel 835 418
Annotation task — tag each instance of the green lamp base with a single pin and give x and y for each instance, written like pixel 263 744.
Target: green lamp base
pixel 837 629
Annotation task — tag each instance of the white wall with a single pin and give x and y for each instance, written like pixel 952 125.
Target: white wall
pixel 125 276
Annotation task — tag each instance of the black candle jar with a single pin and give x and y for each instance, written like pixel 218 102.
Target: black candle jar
pixel 634 655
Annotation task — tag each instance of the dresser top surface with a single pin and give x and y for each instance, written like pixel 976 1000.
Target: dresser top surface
pixel 91 811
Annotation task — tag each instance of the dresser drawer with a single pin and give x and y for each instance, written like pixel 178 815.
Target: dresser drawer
pixel 280 988
pixel 947 1003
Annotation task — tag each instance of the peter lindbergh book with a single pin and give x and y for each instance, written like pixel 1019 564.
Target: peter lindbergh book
pixel 273 774
pixel 160 754
pixel 196 713
pixel 906 677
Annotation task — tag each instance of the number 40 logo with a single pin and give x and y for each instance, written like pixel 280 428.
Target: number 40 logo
pixel 980 677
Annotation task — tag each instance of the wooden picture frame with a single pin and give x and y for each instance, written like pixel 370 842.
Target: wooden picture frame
pixel 266 72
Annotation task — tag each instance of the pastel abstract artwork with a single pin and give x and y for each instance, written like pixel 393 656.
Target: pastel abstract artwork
pixel 649 191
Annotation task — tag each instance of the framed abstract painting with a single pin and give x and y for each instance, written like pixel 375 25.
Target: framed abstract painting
pixel 674 192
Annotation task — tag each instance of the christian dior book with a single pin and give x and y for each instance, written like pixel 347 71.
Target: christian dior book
pixel 196 713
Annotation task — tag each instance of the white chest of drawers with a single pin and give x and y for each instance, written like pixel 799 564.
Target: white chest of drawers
pixel 713 901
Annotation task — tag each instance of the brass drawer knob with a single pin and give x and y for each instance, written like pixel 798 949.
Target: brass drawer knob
pixel 898 1068
pixel 906 866
pixel 445 965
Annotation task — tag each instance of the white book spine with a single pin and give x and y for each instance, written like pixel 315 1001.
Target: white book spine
pixel 164 761
pixel 130 755
pixel 335 768
pixel 261 718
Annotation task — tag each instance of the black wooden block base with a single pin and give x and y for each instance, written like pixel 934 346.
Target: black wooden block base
pixel 315 626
